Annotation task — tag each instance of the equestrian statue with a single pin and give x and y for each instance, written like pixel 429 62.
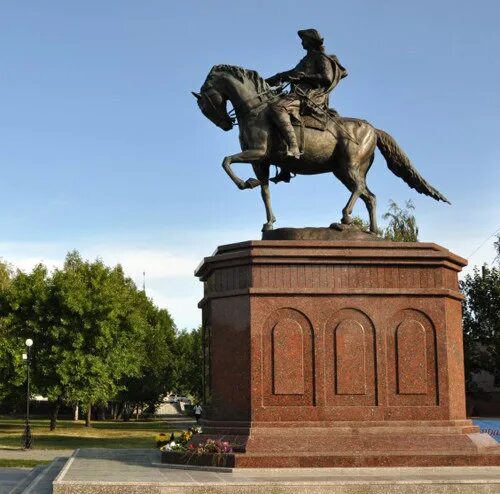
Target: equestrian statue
pixel 298 132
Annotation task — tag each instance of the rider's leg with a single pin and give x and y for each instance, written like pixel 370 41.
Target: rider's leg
pixel 281 118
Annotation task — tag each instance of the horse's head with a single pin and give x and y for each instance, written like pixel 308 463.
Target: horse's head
pixel 214 106
pixel 244 88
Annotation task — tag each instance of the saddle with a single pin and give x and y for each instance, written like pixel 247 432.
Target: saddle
pixel 311 118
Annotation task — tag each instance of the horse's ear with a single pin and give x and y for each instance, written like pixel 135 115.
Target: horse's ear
pixel 196 95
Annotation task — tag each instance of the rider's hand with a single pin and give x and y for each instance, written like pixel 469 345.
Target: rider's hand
pixel 296 76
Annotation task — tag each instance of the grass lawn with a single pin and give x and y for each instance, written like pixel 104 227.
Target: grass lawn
pixel 22 463
pixel 71 435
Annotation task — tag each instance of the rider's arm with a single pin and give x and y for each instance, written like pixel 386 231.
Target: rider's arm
pixel 324 73
pixel 279 78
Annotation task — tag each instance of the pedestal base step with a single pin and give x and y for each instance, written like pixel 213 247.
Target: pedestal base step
pixel 138 471
pixel 311 460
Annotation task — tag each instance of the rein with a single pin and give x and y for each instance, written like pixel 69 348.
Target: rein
pixel 234 110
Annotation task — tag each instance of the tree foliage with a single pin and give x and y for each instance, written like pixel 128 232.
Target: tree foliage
pixel 156 377
pixel 402 225
pixel 481 320
pixel 92 330
pixel 189 364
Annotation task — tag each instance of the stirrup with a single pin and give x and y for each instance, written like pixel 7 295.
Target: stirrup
pixel 283 176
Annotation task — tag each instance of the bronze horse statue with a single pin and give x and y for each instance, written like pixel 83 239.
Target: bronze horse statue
pixel 346 147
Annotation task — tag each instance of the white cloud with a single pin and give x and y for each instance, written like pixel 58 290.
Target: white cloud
pixel 170 280
pixel 157 263
pixel 170 264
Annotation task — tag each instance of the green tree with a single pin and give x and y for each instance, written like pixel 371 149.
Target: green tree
pixel 89 325
pixel 12 367
pixel 402 225
pixel 361 223
pixel 24 314
pixel 101 329
pixel 147 390
pixel 189 364
pixel 481 320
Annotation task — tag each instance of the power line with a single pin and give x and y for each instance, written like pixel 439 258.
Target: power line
pixel 484 241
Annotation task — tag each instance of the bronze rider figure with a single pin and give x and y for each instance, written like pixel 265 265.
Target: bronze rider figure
pixel 314 77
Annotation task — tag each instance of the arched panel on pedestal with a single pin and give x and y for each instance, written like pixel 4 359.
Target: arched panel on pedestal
pixel 412 360
pixel 288 367
pixel 411 351
pixel 350 359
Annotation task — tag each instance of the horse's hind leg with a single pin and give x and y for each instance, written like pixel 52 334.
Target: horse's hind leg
pixel 351 178
pixel 262 174
pixel 370 200
pixel 368 196
pixel 347 211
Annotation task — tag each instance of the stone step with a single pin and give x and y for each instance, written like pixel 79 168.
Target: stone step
pixel 137 471
pixel 40 479
pixel 315 460
pixel 33 473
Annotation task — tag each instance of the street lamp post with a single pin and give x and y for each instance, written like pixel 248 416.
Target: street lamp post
pixel 27 435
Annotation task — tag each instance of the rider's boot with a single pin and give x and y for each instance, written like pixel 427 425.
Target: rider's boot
pixel 282 119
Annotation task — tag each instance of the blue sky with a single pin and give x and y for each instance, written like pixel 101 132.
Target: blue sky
pixel 104 150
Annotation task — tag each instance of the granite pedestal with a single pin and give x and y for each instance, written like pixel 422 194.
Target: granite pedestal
pixel 337 353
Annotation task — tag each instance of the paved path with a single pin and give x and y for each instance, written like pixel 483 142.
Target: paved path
pixel 9 477
pixel 135 470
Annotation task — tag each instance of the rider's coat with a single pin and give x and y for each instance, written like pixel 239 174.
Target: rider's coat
pixel 317 74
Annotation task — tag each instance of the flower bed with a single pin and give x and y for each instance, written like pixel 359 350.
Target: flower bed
pixel 162 439
pixel 183 451
pixel 202 460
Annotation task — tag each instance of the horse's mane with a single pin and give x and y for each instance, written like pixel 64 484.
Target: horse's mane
pixel 239 73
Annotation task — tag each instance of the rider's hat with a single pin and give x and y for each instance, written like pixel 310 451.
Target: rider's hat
pixel 311 34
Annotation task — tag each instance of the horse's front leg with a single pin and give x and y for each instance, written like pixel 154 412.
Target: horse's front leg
pixel 262 173
pixel 248 156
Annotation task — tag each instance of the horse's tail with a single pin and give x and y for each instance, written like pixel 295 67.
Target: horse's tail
pixel 401 166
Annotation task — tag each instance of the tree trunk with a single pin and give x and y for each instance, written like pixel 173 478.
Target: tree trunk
pixel 137 412
pixel 101 412
pixel 76 412
pixel 119 410
pixel 126 412
pixel 54 411
pixel 88 417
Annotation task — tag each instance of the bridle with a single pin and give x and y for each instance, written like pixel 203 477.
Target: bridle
pixel 220 115
pixel 237 108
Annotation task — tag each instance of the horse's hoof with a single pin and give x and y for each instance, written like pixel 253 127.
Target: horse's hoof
pixel 251 183
pixel 267 227
pixel 338 226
